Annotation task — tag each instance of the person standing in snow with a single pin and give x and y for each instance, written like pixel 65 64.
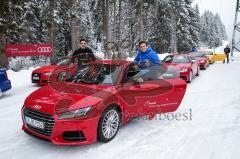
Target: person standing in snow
pixel 194 49
pixel 83 53
pixel 146 57
pixel 227 51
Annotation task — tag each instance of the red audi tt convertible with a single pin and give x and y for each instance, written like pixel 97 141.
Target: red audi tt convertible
pixel 90 103
pixel 187 64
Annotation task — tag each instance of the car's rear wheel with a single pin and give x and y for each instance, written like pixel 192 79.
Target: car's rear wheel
pixel 109 124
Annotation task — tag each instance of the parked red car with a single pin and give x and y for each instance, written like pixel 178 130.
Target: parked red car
pixel 42 75
pixel 202 59
pixel 92 103
pixel 187 64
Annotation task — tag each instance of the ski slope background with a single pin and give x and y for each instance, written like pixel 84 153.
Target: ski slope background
pixel 213 99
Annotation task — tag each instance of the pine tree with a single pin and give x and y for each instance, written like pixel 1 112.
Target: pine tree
pixel 212 30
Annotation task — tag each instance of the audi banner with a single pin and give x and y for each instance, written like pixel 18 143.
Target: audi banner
pixel 12 50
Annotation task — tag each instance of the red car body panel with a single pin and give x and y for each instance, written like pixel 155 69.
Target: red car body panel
pixel 202 59
pixel 150 97
pixel 188 66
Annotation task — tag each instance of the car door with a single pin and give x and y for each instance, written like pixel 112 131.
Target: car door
pixel 153 96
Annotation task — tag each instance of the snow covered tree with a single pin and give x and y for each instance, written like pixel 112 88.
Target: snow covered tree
pixel 194 26
pixel 212 30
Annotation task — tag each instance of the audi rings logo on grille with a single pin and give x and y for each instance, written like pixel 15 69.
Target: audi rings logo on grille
pixel 44 49
pixel 38 107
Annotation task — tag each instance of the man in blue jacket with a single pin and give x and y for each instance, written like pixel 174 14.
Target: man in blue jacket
pixel 146 57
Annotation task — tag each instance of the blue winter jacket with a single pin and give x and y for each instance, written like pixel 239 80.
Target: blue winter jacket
pixel 149 55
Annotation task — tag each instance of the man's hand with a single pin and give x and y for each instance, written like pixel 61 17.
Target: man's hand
pixel 135 67
pixel 147 63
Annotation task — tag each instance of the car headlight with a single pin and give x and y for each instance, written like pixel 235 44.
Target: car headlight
pixel 75 113
pixel 48 74
pixel 184 70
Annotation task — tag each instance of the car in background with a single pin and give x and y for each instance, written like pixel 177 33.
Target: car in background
pixel 5 83
pixel 187 64
pixel 42 75
pixel 92 103
pixel 209 54
pixel 202 59
pixel 219 56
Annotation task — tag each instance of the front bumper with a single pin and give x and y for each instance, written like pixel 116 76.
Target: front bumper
pixel 185 75
pixel 203 65
pixel 69 132
pixel 43 79
pixel 211 61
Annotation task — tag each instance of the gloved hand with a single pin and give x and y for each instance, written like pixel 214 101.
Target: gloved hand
pixel 147 63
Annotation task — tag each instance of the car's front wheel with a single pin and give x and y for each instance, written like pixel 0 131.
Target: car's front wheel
pixel 109 124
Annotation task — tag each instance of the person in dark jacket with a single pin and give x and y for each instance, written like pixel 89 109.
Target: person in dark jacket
pixel 146 57
pixel 227 51
pixel 83 54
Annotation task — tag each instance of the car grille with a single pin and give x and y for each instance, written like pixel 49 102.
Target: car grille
pixel 43 117
pixel 36 75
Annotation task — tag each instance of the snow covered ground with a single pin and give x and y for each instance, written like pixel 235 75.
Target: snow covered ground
pixel 211 131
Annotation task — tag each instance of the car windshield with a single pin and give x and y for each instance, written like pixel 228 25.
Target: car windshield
pixel 198 54
pixel 96 74
pixel 208 53
pixel 176 59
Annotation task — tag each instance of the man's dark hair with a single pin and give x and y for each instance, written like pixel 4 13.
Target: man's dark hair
pixel 142 42
pixel 82 40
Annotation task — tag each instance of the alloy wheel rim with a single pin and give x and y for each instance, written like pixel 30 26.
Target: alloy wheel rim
pixel 110 124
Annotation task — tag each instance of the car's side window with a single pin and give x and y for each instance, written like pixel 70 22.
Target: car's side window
pixel 193 58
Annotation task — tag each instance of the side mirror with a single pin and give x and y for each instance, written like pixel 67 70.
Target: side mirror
pixel 137 81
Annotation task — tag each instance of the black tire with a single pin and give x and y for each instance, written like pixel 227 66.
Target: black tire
pixel 102 125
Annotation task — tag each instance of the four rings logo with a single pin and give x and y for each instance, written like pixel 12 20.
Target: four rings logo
pixel 38 107
pixel 44 49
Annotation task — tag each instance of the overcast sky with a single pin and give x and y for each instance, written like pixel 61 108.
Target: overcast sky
pixel 226 9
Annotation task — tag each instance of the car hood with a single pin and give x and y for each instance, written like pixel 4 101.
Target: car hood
pixel 45 69
pixel 56 101
pixel 179 65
